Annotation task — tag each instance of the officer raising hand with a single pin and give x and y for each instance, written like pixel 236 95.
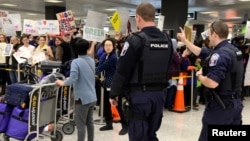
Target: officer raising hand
pixel 141 75
pixel 221 75
pixel 182 37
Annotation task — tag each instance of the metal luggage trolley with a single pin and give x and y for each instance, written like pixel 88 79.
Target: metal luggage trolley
pixel 42 110
pixel 66 108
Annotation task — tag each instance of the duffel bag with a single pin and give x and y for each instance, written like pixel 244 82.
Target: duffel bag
pixel 18 124
pixel 17 94
pixel 5 112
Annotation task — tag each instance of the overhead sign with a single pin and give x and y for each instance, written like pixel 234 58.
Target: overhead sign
pixel 192 15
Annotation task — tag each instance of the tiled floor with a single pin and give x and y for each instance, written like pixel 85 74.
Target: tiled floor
pixel 175 126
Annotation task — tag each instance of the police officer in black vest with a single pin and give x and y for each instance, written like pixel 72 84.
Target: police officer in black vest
pixel 142 72
pixel 222 76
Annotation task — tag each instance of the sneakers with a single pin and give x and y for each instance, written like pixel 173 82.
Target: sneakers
pixel 106 127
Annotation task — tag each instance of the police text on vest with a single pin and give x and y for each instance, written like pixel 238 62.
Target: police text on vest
pixel 158 45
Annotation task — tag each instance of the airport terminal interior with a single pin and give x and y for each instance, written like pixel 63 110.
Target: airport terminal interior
pixel 176 126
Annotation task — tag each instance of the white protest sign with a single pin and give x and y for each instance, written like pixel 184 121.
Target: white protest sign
pixel 16 21
pixel 3 14
pixel 204 34
pixel 247 34
pixel 160 22
pixel 95 19
pixel 24 53
pixel 124 17
pixel 2 49
pixel 247 74
pixel 7 50
pixel 30 27
pixel 93 34
pixel 48 26
pixel 131 26
pixel 8 26
pixel 38 56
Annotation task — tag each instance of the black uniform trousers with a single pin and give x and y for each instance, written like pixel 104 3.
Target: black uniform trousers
pixel 150 105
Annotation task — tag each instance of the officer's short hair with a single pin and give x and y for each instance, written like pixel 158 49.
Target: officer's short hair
pixel 146 11
pixel 82 46
pixel 220 28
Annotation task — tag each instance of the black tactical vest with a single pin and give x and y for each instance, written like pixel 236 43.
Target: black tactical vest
pixel 234 78
pixel 153 61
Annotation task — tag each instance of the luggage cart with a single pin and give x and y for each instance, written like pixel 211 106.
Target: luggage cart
pixel 42 111
pixel 66 109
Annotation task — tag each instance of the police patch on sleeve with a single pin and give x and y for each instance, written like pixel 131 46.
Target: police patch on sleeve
pixel 214 59
pixel 124 49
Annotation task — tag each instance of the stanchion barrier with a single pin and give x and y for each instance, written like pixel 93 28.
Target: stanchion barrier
pixel 18 73
pixel 192 69
pixel 115 113
pixel 176 78
pixel 101 120
pixel 179 105
pixel 8 69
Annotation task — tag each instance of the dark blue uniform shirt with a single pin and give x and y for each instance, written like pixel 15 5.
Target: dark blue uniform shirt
pixel 220 62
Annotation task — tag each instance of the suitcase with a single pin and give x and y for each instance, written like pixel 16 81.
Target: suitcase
pixel 5 112
pixel 17 94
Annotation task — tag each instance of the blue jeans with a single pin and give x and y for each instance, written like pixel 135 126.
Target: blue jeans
pixel 13 76
pixel 170 97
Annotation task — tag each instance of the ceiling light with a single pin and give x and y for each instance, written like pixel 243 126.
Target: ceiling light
pixel 208 12
pixel 54 1
pixel 110 9
pixel 244 0
pixel 235 18
pixel 31 14
pixel 8 4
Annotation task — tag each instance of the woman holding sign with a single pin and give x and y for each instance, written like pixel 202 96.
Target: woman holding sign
pixel 43 52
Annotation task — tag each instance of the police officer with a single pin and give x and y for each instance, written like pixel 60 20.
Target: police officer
pixel 142 71
pixel 222 76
